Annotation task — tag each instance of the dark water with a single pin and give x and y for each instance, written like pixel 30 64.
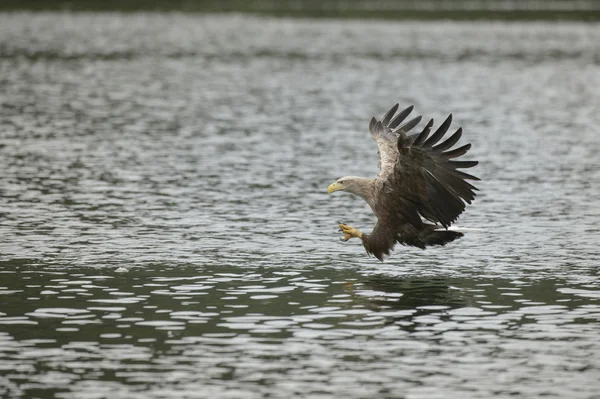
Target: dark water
pixel 165 229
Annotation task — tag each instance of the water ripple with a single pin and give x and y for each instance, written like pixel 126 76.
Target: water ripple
pixel 166 230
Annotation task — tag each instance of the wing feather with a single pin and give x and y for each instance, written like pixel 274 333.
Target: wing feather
pixel 450 142
pixel 420 179
pixel 400 117
pixel 388 115
pixel 439 133
pixel 408 125
pixel 457 152
pixel 463 164
pixel 426 174
pixel 372 124
pixel 385 133
pixel 423 135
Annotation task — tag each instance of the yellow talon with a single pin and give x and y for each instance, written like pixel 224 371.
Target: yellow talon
pixel 349 232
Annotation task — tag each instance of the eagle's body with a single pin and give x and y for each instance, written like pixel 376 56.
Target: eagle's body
pixel 419 191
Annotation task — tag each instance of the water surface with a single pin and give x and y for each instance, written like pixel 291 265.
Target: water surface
pixel 166 232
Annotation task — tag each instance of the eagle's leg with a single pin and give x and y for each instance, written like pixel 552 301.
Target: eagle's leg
pixel 349 232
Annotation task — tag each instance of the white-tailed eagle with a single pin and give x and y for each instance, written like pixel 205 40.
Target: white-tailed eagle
pixel 419 191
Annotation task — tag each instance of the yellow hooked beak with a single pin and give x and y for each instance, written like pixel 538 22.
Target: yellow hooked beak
pixel 334 187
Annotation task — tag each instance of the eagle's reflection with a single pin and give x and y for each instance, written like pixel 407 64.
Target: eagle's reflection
pixel 415 293
pixel 403 299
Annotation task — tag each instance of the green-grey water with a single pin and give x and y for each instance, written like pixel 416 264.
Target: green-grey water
pixel 165 229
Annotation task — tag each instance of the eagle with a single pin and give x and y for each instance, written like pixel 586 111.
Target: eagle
pixel 420 189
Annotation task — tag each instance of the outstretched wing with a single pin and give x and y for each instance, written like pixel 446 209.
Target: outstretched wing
pixel 386 132
pixel 427 175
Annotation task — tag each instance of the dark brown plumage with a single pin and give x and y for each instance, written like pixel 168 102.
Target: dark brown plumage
pixel 420 190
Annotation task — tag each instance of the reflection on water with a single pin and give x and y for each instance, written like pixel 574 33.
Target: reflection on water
pixel 165 228
pixel 249 331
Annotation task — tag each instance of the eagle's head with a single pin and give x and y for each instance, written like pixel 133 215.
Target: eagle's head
pixel 348 183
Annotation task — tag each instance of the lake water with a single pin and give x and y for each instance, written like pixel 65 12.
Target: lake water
pixel 165 227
